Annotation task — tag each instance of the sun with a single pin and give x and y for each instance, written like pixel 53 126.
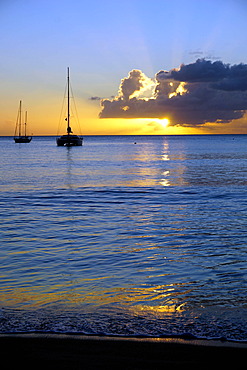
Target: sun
pixel 156 125
pixel 165 122
pixel 161 122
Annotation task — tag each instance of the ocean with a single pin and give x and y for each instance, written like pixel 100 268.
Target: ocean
pixel 126 236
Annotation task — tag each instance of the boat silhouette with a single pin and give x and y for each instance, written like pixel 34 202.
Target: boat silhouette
pixel 20 127
pixel 69 139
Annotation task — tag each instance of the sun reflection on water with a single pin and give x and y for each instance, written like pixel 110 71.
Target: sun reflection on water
pixel 158 299
pixel 161 309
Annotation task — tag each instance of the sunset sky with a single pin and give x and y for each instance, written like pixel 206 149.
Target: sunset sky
pixel 125 60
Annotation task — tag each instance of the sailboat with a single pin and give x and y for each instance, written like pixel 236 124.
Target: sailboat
pixel 18 128
pixel 69 139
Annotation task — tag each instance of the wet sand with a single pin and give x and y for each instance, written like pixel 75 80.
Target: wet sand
pixel 86 352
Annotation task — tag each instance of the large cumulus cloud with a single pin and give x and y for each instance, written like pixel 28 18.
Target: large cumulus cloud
pixel 193 94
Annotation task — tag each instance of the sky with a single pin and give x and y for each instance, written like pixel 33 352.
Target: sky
pixel 136 66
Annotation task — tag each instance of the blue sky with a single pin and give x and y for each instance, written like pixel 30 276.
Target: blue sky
pixel 101 41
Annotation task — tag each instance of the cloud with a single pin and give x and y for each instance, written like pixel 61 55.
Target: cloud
pixel 235 79
pixel 200 71
pixel 193 94
pixel 95 98
pixel 136 84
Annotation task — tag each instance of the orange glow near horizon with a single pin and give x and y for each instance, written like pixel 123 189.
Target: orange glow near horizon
pixel 43 119
pixel 119 126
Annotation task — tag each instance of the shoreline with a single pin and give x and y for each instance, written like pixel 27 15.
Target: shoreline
pixel 68 351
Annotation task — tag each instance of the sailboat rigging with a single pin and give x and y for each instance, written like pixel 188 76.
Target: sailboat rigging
pixel 69 139
pixel 20 138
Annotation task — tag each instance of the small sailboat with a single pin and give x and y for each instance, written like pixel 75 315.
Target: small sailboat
pixel 20 138
pixel 69 139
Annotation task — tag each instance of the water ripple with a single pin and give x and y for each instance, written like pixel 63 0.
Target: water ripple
pixel 95 248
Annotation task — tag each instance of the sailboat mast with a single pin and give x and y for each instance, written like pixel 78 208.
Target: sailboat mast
pixel 22 138
pixel 68 117
pixel 70 139
pixel 20 119
pixel 25 124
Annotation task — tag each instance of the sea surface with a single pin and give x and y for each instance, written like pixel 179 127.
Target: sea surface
pixel 126 235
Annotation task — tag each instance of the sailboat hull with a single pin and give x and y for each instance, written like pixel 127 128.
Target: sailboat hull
pixel 23 139
pixel 69 140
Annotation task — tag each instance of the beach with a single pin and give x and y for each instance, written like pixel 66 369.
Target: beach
pixel 91 352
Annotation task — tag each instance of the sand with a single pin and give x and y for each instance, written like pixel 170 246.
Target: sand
pixel 87 352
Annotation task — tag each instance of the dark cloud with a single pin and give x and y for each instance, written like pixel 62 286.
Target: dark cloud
pixel 201 71
pixel 95 98
pixel 222 76
pixel 194 94
pixel 235 80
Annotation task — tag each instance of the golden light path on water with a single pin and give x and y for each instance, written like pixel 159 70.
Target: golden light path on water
pixel 69 296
